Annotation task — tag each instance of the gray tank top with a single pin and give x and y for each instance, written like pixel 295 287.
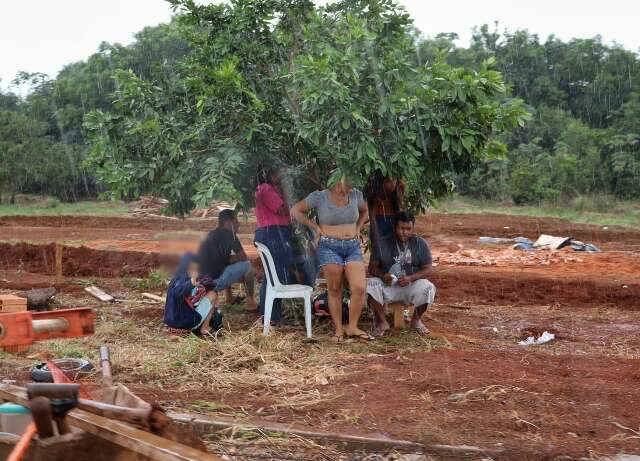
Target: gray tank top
pixel 331 215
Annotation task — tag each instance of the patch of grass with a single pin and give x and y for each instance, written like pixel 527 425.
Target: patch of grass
pixel 179 235
pixel 52 207
pixel 597 210
pixel 157 279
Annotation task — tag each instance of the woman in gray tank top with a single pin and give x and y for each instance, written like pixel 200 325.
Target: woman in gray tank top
pixel 341 212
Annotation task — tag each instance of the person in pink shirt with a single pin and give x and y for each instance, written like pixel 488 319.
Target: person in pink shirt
pixel 274 231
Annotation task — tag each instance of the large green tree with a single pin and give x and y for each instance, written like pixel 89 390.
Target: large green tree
pixel 330 92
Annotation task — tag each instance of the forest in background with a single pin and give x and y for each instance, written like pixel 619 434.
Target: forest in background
pixel 582 138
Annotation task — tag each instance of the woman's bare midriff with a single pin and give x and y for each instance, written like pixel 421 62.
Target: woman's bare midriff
pixel 341 232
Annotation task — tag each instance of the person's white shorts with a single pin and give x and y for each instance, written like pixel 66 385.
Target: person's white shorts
pixel 419 293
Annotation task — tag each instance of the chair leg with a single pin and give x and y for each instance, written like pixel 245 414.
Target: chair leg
pixel 268 307
pixel 307 314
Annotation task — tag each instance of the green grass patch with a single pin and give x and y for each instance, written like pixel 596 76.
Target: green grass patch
pixel 54 208
pixel 600 211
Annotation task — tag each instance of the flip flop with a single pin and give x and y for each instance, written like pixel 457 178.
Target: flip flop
pixel 362 337
pixel 337 339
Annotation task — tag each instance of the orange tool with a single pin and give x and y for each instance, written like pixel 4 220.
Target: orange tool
pixel 18 330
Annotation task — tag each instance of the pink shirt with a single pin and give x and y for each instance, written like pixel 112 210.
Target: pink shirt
pixel 268 201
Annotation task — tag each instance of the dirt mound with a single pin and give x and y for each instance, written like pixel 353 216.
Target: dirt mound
pixel 79 261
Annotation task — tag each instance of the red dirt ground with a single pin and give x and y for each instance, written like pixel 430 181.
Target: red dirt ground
pixel 577 396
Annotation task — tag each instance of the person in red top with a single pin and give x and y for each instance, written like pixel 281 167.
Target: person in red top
pixel 274 231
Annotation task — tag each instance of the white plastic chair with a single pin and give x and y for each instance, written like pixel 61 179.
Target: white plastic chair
pixel 276 290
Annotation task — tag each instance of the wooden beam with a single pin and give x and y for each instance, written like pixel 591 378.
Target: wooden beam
pixel 99 294
pixel 136 440
pixel 59 277
pixel 204 425
pixel 157 298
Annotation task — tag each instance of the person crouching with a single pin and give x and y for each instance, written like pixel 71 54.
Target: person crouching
pixel 399 268
pixel 190 303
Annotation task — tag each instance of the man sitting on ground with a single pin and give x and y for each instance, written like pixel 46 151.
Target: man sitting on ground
pixel 399 268
pixel 223 259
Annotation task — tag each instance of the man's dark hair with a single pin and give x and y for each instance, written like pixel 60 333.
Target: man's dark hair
pixel 405 216
pixel 225 216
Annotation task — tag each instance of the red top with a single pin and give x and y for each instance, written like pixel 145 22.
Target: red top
pixel 268 202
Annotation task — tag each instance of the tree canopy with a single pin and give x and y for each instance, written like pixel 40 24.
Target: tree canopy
pixel 191 109
pixel 328 92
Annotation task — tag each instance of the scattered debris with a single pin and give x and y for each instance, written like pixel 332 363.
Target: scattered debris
pixel 214 209
pixel 99 294
pixel 71 367
pixel 551 242
pixel 577 245
pixel 500 240
pixel 542 339
pixel 149 206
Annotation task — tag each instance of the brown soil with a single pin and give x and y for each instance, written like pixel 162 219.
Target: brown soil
pixel 80 261
pixel 574 396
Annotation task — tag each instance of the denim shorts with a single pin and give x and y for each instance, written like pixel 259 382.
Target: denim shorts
pixel 341 252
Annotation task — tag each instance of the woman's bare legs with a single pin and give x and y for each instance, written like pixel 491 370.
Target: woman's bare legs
pixel 357 280
pixel 333 274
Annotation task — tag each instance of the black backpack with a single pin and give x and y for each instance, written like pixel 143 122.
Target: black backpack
pixel 321 306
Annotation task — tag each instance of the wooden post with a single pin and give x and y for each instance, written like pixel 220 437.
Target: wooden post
pixel 59 277
pixel 398 315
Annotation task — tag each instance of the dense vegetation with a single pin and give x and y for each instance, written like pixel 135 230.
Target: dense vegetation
pixel 585 133
pixel 192 108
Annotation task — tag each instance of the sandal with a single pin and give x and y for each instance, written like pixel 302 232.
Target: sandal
pixel 337 339
pixel 422 329
pixel 363 337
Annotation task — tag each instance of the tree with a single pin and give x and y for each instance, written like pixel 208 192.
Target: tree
pixel 330 92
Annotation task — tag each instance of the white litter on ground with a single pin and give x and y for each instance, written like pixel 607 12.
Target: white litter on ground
pixel 543 339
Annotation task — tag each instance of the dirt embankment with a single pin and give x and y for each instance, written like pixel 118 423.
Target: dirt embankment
pixel 472 285
pixel 120 222
pixel 79 261
pixel 455 284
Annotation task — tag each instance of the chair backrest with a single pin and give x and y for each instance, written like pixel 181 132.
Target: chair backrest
pixel 268 264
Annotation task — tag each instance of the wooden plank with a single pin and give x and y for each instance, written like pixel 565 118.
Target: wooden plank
pixel 398 315
pixel 59 277
pixel 99 294
pixel 157 298
pixel 204 425
pixel 136 440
